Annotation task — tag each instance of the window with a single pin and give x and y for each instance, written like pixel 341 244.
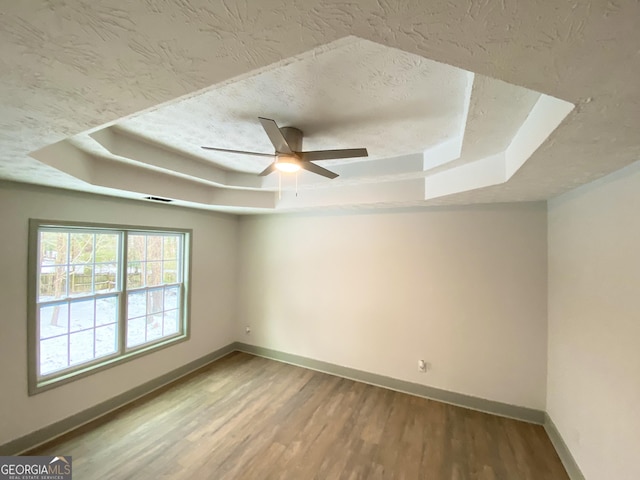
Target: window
pixel 100 295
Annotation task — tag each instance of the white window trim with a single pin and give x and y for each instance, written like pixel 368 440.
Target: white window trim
pixel 39 384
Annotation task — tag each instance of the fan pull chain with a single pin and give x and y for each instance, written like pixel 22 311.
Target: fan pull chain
pixel 279 186
pixel 296 184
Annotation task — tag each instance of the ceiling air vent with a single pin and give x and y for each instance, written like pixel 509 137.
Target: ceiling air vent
pixel 159 199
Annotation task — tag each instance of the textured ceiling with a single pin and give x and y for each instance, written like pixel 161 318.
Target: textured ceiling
pixel 164 77
pixel 353 93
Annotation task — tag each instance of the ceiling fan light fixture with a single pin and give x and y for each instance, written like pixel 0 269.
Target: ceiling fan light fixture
pixel 287 164
pixel 289 157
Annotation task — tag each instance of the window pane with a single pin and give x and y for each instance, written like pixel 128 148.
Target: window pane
pixel 54 320
pixel 81 347
pixel 106 247
pixel 80 286
pixel 53 283
pixel 106 340
pixel 170 322
pixel 106 310
pixel 137 304
pixel 170 247
pixel 53 248
pixel 171 297
pixel 53 354
pixel 135 331
pixel 154 247
pixel 154 301
pixel 170 271
pixel 135 275
pixel 81 315
pixel 81 248
pixel 136 247
pixel 47 281
pixel 80 279
pixel 154 327
pixel 154 274
pixel 106 277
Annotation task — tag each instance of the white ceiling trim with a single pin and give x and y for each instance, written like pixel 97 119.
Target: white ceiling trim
pixel 546 115
pixel 451 149
pixel 544 118
pixel 121 144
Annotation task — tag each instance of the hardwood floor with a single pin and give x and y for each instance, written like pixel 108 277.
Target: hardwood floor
pixel 246 417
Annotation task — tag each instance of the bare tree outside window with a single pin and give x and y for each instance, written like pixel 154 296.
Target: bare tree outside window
pixel 153 274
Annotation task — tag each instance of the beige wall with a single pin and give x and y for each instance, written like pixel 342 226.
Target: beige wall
pixel 593 391
pixel 213 288
pixel 463 288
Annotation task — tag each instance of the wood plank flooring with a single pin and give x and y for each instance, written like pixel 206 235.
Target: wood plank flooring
pixel 246 417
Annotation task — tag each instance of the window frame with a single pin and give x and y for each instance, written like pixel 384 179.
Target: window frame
pixel 37 383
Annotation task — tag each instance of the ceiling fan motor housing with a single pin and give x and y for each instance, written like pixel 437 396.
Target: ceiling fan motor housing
pixel 293 136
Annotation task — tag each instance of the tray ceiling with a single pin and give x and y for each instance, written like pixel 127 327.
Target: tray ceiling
pixel 118 98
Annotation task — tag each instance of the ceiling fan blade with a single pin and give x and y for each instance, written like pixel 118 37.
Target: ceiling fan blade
pixel 271 168
pixel 333 154
pixel 239 151
pixel 275 135
pixel 313 168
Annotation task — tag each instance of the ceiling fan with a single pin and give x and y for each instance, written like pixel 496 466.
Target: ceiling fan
pixel 287 142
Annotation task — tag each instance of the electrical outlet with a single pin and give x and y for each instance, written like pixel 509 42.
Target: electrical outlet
pixel 247 330
pixel 422 366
